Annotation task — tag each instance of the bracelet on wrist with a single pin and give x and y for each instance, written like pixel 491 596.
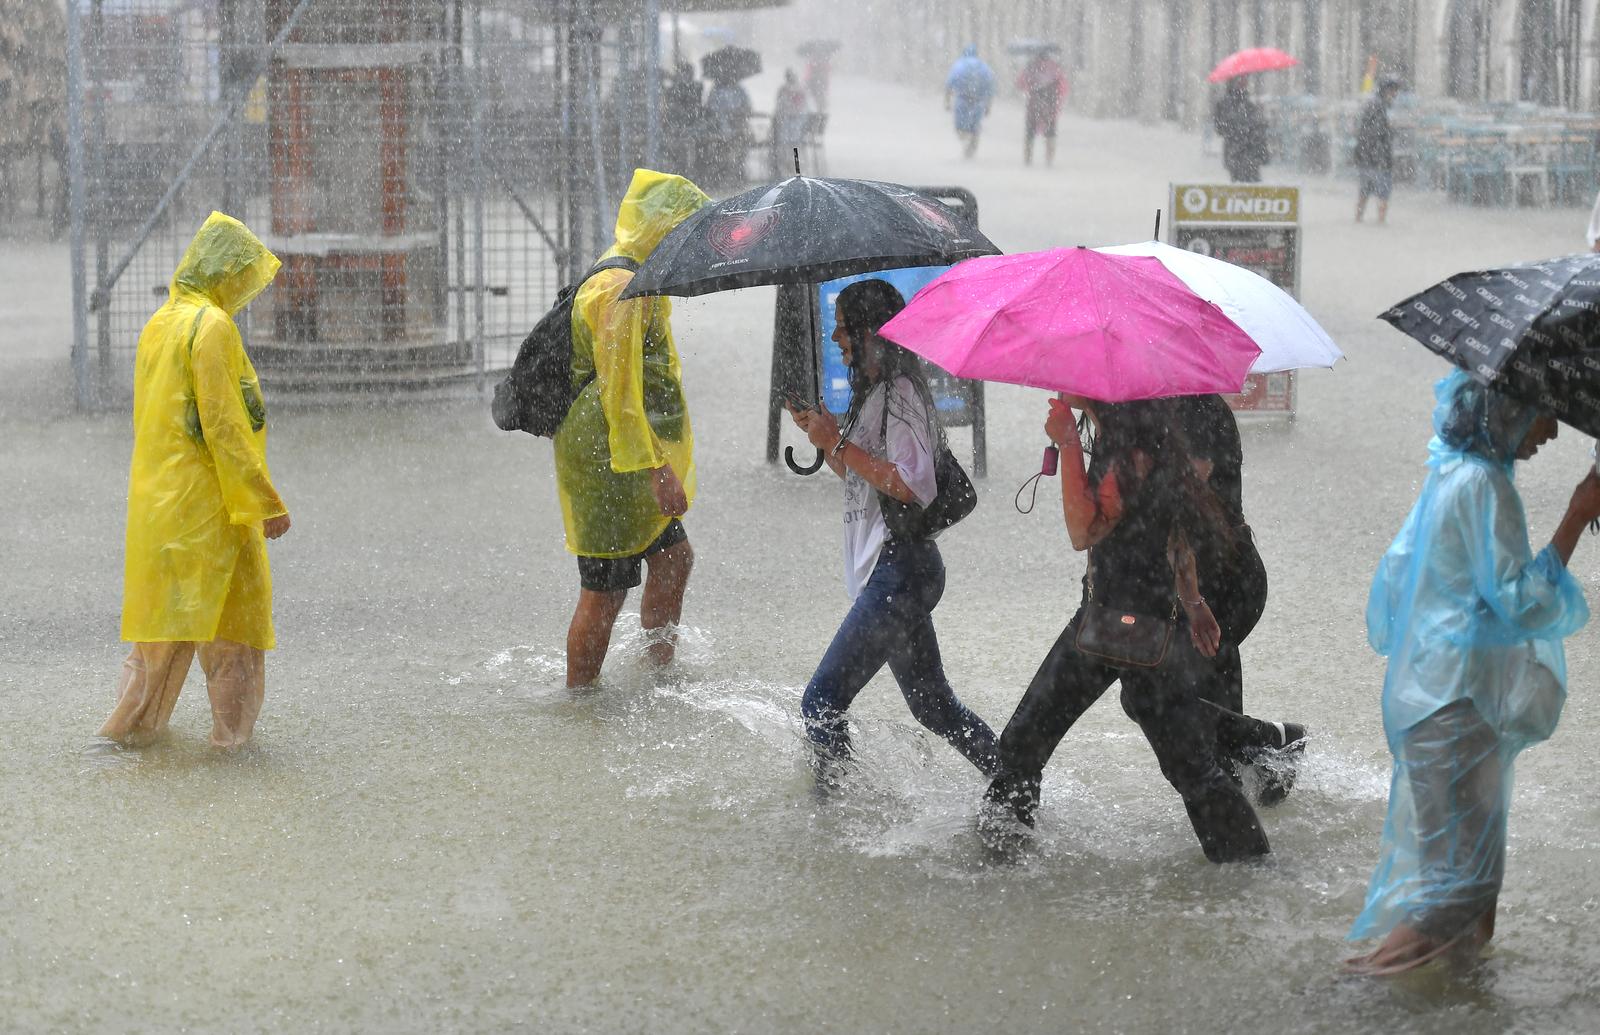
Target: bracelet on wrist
pixel 1196 602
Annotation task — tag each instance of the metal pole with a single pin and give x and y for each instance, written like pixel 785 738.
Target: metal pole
pixel 1177 33
pixel 440 83
pixel 652 89
pixel 1311 52
pixel 591 62
pixel 83 386
pixel 478 276
pixel 558 110
pixel 102 242
pixel 227 54
pixel 458 116
pixel 577 251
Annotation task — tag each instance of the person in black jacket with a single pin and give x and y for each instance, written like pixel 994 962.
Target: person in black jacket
pixel 1375 150
pixel 1233 585
pixel 1124 507
pixel 1243 129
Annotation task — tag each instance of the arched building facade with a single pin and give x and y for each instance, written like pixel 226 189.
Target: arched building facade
pixel 1148 58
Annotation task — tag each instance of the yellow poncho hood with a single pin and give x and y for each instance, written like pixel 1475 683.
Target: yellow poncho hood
pixel 226 263
pixel 655 203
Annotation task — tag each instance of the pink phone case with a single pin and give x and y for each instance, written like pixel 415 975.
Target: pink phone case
pixel 1051 456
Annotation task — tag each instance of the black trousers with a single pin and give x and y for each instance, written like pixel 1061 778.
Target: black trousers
pixel 1238 596
pixel 1166 703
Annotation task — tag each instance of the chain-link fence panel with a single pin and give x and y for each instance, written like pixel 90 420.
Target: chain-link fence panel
pixel 429 171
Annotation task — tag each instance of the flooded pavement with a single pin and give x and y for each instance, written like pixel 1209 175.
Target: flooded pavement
pixel 430 832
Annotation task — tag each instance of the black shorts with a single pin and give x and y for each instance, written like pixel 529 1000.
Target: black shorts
pixel 620 574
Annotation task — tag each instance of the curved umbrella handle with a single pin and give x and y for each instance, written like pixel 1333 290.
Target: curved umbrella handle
pixel 788 458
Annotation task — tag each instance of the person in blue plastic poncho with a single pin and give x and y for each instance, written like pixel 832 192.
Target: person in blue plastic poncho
pixel 968 90
pixel 1472 623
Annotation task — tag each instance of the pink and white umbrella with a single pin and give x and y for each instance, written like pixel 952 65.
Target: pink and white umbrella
pixel 1289 337
pixel 1109 327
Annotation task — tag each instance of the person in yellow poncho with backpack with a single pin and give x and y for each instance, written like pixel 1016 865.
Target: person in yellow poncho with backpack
pixel 624 453
pixel 201 503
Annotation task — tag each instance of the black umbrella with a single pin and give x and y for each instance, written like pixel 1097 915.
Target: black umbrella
pixel 805 230
pixel 1530 331
pixel 730 64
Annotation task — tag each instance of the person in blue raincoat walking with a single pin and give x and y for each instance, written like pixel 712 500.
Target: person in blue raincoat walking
pixel 968 91
pixel 1472 623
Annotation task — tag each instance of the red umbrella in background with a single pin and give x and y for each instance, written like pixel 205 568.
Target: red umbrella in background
pixel 1256 59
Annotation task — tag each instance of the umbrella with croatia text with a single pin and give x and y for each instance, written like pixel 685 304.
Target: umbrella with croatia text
pixel 1531 331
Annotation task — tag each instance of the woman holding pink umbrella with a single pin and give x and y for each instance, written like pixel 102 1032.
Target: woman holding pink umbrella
pixel 1127 508
pixel 1097 326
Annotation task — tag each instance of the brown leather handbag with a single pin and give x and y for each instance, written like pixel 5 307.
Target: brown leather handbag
pixel 1123 639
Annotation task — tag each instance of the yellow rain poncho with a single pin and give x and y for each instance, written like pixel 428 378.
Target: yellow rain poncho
pixel 199 489
pixel 631 418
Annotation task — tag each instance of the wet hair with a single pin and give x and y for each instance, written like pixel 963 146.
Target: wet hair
pixel 1152 427
pixel 864 307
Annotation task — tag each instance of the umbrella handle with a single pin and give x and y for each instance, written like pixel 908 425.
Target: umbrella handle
pixel 788 458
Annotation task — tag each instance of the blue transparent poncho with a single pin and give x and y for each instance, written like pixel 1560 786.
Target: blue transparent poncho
pixel 1472 623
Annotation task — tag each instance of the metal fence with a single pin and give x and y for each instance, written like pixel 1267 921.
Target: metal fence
pixel 429 171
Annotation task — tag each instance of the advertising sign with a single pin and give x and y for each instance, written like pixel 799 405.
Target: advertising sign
pixel 1254 226
pixel 960 402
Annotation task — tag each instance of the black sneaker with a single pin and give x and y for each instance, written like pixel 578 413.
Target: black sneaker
pixel 1004 831
pixel 1277 767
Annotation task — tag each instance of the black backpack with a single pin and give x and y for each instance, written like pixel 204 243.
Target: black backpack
pixel 538 392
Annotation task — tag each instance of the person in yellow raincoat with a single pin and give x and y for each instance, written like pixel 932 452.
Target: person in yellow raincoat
pixel 625 453
pixel 201 504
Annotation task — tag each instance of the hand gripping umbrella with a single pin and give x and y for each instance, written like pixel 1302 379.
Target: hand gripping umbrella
pixel 805 230
pixel 1530 331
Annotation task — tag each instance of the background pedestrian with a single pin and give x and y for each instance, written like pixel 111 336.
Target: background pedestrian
pixel 1375 150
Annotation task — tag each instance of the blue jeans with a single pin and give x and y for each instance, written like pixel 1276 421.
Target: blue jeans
pixel 891 623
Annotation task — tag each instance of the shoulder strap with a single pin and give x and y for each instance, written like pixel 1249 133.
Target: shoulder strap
pixel 194 332
pixel 616 262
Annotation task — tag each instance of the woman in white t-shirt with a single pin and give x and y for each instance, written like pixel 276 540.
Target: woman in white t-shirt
pixel 889 444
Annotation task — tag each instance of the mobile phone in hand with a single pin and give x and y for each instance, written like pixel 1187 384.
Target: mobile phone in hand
pixel 1052 456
